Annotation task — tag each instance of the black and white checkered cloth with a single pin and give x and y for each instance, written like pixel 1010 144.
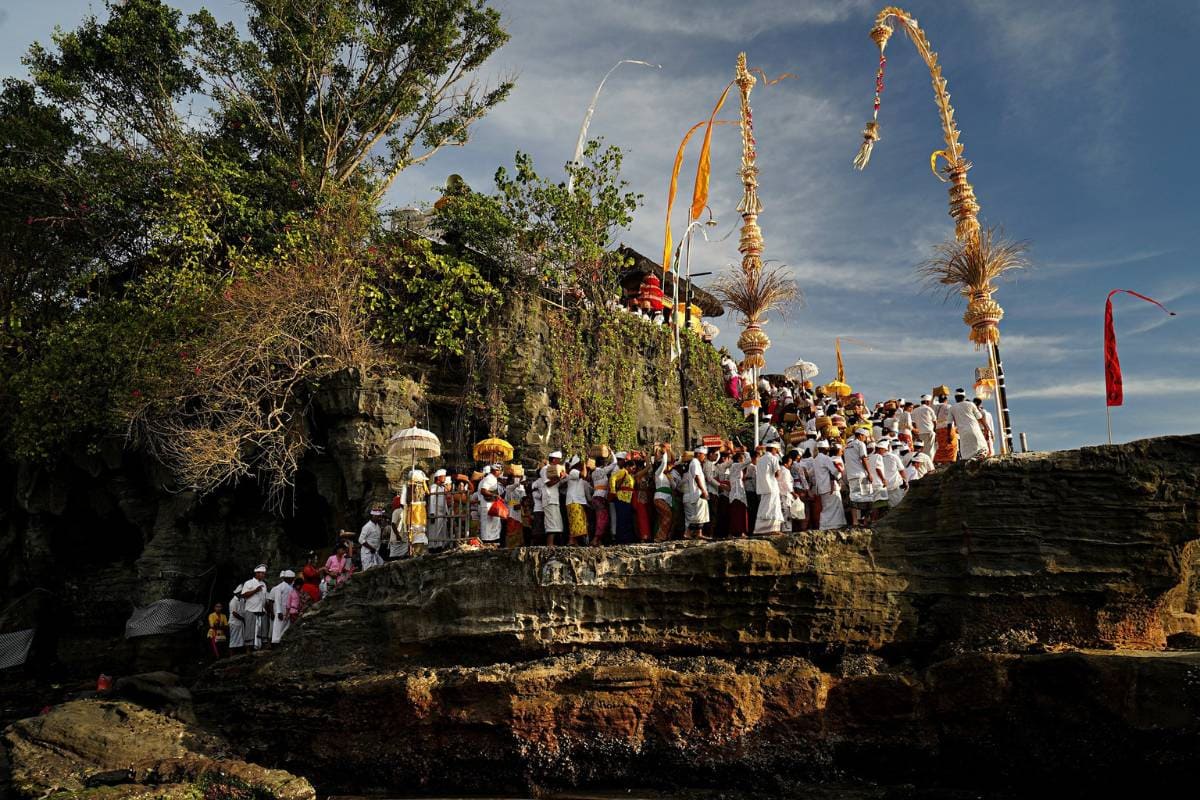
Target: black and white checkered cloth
pixel 14 647
pixel 164 616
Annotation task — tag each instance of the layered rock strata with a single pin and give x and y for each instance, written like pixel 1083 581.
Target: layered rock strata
pixel 939 648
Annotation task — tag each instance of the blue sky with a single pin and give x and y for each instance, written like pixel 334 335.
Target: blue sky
pixel 1080 120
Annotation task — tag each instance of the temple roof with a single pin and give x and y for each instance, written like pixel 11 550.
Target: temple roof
pixel 631 280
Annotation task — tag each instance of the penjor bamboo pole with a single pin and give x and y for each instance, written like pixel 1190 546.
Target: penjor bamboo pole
pixel 964 207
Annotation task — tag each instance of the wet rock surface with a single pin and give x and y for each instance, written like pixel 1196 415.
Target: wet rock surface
pixel 1002 630
pixel 114 749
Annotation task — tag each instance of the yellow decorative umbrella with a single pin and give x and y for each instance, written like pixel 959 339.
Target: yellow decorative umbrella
pixel 838 388
pixel 493 449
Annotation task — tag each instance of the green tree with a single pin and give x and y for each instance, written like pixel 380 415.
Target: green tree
pixel 345 92
pixel 533 232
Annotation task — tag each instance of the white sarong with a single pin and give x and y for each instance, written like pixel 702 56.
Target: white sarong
pixel 833 516
pixel 770 515
pixel 861 490
pixel 695 513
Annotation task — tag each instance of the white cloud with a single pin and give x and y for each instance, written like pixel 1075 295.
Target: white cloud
pixel 1095 388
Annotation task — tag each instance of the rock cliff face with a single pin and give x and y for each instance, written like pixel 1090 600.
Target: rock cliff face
pixel 939 649
pixel 81 544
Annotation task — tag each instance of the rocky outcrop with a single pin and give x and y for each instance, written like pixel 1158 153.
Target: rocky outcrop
pixel 102 749
pixel 948 646
pixel 83 543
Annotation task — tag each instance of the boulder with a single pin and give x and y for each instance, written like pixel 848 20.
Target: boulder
pixel 108 749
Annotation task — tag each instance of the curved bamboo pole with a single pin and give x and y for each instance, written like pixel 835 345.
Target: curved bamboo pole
pixel 964 208
pixel 983 314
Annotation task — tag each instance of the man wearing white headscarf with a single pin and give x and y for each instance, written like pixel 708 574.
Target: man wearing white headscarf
pixel 279 605
pixel 967 418
pixel 695 495
pixel 924 419
pixel 489 492
pixel 254 592
pixel 766 484
pixel 827 478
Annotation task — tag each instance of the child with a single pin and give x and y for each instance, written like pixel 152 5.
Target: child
pixel 218 625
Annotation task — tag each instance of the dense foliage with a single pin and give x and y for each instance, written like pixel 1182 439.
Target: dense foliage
pixel 192 241
pixel 152 162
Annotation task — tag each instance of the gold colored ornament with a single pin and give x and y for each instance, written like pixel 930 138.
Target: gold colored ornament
pixel 983 315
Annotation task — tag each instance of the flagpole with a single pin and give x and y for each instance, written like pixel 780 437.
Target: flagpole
pixel 1108 414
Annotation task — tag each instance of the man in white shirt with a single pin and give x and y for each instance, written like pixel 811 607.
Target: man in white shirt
pixel 967 418
pixel 923 421
pixel 878 478
pixel 279 605
pixel 371 539
pixel 489 492
pixel 858 476
pixel 894 477
pixel 789 503
pixel 921 460
pixel 695 495
pixel 827 480
pixel 254 593
pixel 766 483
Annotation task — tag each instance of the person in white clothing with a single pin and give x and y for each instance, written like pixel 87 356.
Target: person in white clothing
pixel 370 539
pixel 237 621
pixel 967 417
pixel 921 460
pixel 827 480
pixel 988 424
pixel 878 480
pixel 254 592
pixel 279 605
pixel 551 508
pixel 893 474
pixel 766 483
pixel 490 525
pixel 695 495
pixel 923 420
pixel 858 476
pixel 790 504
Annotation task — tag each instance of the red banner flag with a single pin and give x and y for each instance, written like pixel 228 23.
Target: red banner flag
pixel 1114 389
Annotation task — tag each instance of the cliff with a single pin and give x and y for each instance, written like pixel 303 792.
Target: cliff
pixel 86 540
pixel 1001 629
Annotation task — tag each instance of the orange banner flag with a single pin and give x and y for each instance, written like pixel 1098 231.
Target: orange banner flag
pixel 704 167
pixel 673 189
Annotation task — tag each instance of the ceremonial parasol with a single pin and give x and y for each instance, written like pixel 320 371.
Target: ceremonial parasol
pixel 710 331
pixel 417 442
pixel 838 388
pixel 802 370
pixel 493 449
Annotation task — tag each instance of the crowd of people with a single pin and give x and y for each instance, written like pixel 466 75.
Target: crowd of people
pixel 824 461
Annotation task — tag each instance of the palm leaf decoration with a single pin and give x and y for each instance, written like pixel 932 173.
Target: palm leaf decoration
pixel 757 293
pixel 972 266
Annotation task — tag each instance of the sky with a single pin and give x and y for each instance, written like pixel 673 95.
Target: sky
pixel 1080 120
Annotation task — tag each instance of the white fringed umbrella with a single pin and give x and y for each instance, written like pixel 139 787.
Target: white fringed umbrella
pixel 415 442
pixel 802 371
